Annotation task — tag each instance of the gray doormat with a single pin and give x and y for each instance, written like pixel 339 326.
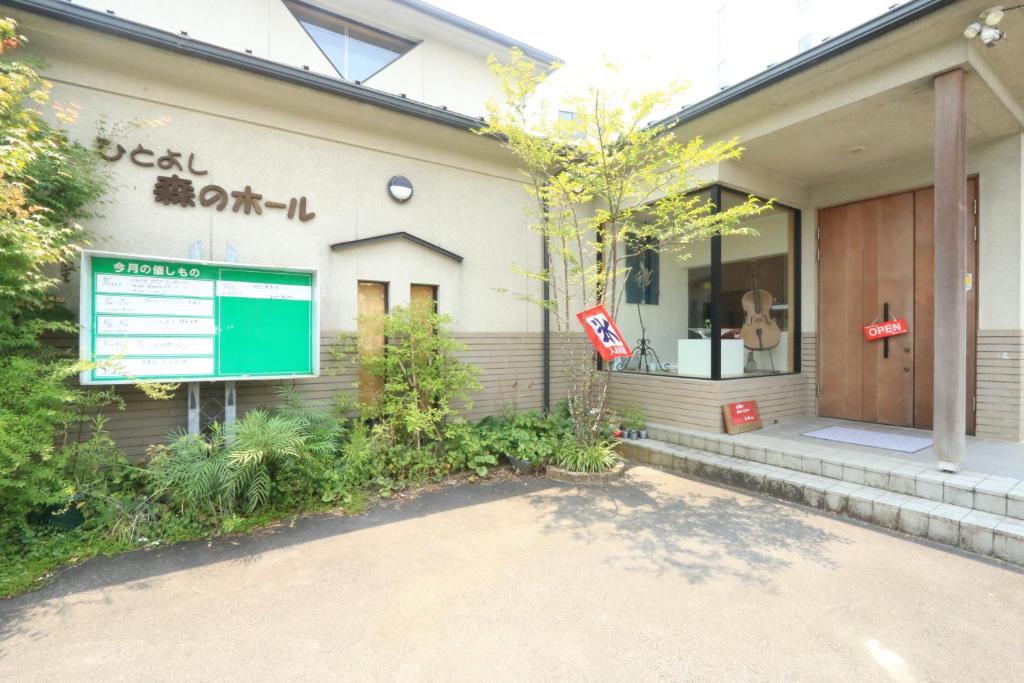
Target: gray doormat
pixel 866 437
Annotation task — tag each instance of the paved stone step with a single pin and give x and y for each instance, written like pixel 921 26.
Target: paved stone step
pixel 973 530
pixel 1003 496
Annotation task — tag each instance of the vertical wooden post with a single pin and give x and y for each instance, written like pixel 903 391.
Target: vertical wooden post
pixel 950 372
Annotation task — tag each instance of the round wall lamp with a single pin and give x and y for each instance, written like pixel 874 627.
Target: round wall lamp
pixel 400 188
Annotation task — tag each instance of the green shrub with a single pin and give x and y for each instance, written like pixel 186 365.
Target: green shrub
pixel 469 447
pixel 194 473
pixel 600 457
pixel 286 458
pixel 530 436
pixel 47 183
pixel 634 418
pixel 422 379
pixel 39 416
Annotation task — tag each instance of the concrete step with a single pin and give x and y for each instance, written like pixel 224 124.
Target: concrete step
pixel 973 530
pixel 1003 496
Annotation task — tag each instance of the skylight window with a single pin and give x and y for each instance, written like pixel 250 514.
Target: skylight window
pixel 355 50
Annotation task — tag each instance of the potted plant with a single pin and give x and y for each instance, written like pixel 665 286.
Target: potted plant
pixel 634 423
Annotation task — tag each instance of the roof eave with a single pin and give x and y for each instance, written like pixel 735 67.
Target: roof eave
pixel 877 27
pixel 124 28
pixel 482 31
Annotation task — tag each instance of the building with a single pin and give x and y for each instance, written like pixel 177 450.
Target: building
pixel 894 152
pixel 752 35
pixel 261 109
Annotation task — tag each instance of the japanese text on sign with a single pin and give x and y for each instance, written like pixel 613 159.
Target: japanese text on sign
pixel 175 190
pixel 149 319
pixel 603 333
pixel 741 416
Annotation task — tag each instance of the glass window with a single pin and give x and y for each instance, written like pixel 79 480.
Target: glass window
pixel 757 290
pixel 667 312
pixel 355 50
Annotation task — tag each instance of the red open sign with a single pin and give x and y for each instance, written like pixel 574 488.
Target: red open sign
pixel 887 328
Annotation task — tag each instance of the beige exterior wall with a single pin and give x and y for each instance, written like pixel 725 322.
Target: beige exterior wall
pixel 285 141
pixel 697 403
pixel 510 372
pixel 448 66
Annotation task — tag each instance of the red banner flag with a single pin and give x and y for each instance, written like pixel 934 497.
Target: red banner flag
pixel 603 333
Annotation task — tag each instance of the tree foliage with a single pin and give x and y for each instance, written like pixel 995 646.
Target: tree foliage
pixel 605 184
pixel 47 183
pixel 422 380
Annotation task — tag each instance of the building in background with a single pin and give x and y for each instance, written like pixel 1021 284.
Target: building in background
pixel 755 34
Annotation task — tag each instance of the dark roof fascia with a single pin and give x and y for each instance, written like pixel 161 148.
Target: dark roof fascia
pixel 877 27
pixel 398 235
pixel 482 31
pixel 124 28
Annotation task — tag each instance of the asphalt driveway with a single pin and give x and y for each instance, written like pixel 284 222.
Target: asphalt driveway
pixel 653 578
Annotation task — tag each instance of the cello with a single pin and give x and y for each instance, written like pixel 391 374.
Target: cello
pixel 759 331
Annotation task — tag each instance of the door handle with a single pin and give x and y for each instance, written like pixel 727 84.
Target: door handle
pixel 885 319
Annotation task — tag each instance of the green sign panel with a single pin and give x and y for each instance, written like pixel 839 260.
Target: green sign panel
pixel 145 318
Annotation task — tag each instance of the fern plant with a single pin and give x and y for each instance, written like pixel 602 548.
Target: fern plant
pixel 263 443
pixel 196 472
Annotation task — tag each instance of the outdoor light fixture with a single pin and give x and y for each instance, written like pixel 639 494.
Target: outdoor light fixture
pixel 990 35
pixel 400 188
pixel 987 29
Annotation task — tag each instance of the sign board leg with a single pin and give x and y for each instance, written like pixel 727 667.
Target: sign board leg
pixel 229 405
pixel 193 407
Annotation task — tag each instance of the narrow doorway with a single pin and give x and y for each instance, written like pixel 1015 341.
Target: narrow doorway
pixel 876 258
pixel 372 305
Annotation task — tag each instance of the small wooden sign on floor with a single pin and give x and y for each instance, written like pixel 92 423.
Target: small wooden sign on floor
pixel 741 417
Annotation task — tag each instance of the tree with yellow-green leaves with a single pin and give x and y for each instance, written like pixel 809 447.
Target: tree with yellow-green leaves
pixel 47 184
pixel 605 184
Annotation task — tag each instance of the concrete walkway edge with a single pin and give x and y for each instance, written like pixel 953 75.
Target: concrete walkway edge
pixel 972 530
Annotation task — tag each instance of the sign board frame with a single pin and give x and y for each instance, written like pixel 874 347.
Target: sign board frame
pixel 86 330
pixel 741 416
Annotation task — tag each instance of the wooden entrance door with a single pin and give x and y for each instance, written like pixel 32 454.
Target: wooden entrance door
pixel 872 253
pixel 372 306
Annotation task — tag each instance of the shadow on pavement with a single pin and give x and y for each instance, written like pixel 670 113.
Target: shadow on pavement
pixel 138 566
pixel 699 536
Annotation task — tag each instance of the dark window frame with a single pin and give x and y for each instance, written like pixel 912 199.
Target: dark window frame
pixel 411 44
pixel 715 194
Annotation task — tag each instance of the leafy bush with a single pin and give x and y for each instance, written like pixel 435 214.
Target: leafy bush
pixel 600 457
pixel 470 447
pixel 633 418
pixel 530 436
pixel 422 379
pixel 47 183
pixel 39 414
pixel 284 458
